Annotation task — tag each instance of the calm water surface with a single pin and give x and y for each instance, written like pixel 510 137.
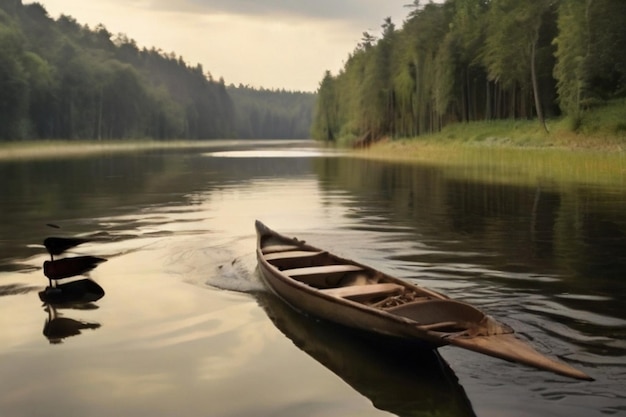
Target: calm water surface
pixel 187 329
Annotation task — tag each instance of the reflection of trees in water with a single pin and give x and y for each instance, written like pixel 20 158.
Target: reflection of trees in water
pixel 106 185
pixel 573 231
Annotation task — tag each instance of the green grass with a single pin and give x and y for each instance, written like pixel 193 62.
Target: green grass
pixel 608 121
pixel 510 165
pixel 521 152
pixel 496 133
pixel 600 128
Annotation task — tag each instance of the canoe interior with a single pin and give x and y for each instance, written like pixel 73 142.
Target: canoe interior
pixel 347 280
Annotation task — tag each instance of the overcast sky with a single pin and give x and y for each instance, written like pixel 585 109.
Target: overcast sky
pixel 264 43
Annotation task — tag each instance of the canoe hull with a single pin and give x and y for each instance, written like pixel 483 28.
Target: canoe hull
pixel 430 320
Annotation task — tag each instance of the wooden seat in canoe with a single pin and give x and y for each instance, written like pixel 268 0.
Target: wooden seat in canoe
pixel 365 292
pixel 321 276
pixel 278 248
pixel 295 259
pixel 294 254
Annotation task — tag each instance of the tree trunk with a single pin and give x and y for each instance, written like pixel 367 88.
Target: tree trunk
pixel 533 73
pixel 488 101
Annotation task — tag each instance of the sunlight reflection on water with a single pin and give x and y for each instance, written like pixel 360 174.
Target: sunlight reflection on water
pixel 276 153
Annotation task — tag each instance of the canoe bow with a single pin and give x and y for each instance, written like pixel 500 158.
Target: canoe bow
pixel 512 349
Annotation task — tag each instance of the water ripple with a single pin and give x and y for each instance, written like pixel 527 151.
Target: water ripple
pixel 557 310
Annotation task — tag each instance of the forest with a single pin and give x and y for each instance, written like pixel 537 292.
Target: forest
pixel 272 114
pixel 476 60
pixel 63 80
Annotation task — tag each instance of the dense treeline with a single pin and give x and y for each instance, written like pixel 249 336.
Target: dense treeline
pixel 466 60
pixel 59 79
pixel 63 80
pixel 272 114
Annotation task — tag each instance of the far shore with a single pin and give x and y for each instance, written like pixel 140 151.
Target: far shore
pixel 67 148
pixel 51 148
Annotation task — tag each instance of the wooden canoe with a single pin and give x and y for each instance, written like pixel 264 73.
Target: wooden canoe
pixel 316 282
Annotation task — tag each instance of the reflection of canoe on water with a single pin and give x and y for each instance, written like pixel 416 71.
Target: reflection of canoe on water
pixel 392 375
pixel 355 295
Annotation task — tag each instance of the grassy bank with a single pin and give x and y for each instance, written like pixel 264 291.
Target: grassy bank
pixel 514 151
pixel 599 129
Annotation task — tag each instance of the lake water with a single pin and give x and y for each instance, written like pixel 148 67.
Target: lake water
pixel 186 327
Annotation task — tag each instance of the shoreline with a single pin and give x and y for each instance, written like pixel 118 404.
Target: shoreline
pixel 66 148
pixel 467 152
pixel 597 130
pixel 504 135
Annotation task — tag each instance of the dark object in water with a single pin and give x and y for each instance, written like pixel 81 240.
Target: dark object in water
pixel 59 328
pixel 58 245
pixel 81 291
pixel 70 267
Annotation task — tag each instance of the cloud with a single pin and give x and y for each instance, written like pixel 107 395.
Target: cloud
pixel 351 12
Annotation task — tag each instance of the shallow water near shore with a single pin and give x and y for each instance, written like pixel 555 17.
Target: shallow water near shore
pixel 186 327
